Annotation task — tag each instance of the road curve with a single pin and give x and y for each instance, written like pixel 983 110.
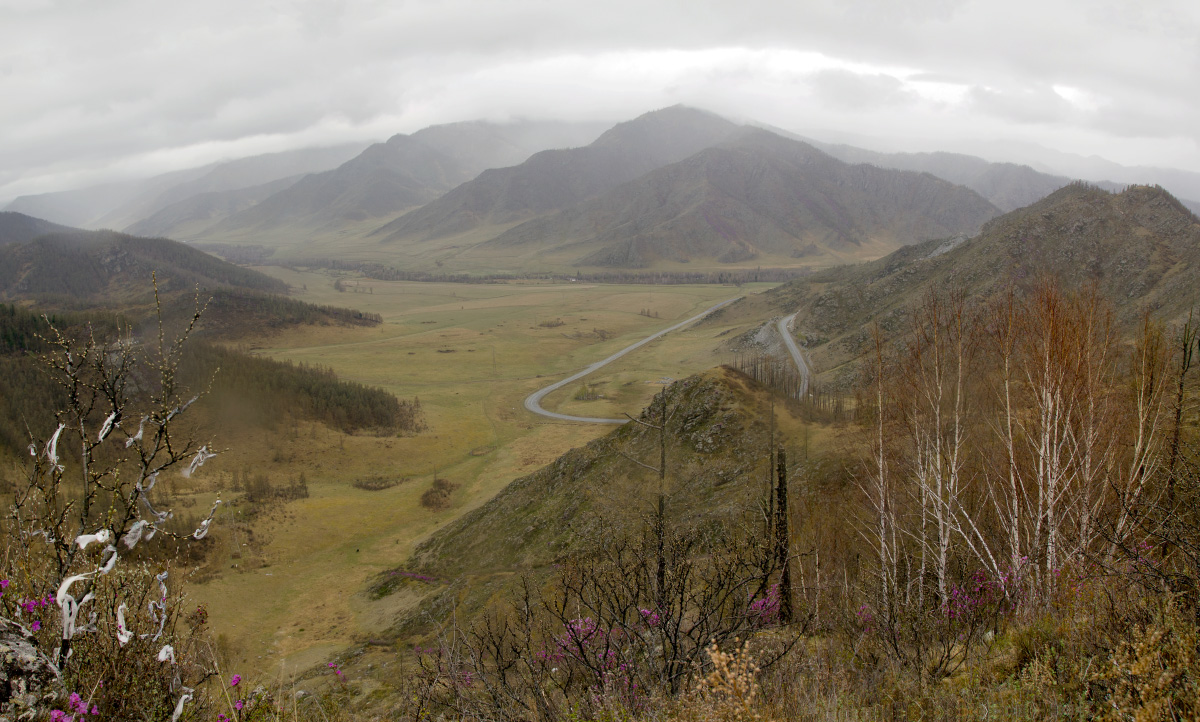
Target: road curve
pixel 794 350
pixel 533 402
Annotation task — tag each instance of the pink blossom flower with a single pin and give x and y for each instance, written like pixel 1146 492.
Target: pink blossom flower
pixel 233 681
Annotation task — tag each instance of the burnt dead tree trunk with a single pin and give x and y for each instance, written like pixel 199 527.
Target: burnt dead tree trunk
pixel 660 514
pixel 783 539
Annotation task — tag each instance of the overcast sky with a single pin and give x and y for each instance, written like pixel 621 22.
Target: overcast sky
pixel 96 89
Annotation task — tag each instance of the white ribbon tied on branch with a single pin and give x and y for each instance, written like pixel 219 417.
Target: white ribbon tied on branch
pixel 70 607
pixel 202 456
pixel 107 427
pixel 159 604
pixel 183 699
pixel 52 447
pixel 100 537
pixel 123 633
pixel 134 535
pixel 138 436
pixel 108 565
pixel 202 531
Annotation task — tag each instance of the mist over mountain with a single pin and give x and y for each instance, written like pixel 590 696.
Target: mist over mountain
pixel 387 178
pixel 1008 186
pixel 757 194
pixel 555 179
pixel 20 228
pixel 83 207
pixel 233 175
pixel 186 218
pixel 1182 184
pixel 120 205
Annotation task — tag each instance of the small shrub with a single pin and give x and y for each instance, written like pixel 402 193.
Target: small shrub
pixel 377 483
pixel 438 495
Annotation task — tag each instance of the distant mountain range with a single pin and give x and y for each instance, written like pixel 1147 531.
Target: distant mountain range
pixel 1007 185
pixel 673 186
pixel 194 214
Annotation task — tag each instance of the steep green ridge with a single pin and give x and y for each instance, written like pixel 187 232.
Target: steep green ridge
pixel 555 179
pixel 1140 247
pixel 717 437
pixel 757 195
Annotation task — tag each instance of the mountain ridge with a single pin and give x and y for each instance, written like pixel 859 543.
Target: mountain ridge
pixel 404 172
pixel 756 194
pixel 557 178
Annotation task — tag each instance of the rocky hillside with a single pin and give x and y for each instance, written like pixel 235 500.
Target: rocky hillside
pixel 1140 247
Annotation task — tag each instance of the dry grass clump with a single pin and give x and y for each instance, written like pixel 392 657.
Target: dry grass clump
pixel 728 693
pixel 1155 674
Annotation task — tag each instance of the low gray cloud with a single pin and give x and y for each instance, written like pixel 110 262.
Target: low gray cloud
pixel 95 90
pixel 859 91
pixel 1026 105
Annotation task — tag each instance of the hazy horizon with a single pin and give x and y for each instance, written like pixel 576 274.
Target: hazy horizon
pixel 131 88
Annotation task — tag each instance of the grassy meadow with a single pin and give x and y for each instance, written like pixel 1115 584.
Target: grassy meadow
pixel 293 595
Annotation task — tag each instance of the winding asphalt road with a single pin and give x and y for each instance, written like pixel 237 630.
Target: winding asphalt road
pixel 794 350
pixel 533 402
